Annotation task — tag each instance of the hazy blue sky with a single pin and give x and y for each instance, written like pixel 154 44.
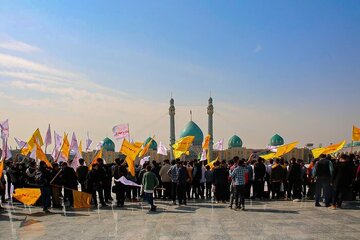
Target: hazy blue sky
pixel 287 67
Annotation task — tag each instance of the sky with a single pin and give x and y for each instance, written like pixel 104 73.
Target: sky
pixel 286 67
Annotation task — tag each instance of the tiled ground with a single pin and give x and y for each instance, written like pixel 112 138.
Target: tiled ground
pixel 199 220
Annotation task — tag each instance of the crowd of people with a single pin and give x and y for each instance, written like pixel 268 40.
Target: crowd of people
pixel 326 179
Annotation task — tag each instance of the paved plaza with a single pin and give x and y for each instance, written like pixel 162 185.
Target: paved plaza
pixel 197 220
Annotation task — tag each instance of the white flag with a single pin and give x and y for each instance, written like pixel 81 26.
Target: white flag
pixel 48 137
pixel 219 145
pixel 203 155
pixel 144 160
pixel 4 129
pixel 33 153
pixel 58 141
pixel 161 149
pixel 20 143
pixel 121 131
pixel 74 147
pixel 99 145
pixel 126 182
pixel 88 143
pixel 6 154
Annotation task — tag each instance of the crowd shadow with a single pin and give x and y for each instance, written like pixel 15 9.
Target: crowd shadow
pixel 271 211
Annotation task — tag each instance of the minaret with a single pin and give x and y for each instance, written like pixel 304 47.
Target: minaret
pixel 172 122
pixel 210 112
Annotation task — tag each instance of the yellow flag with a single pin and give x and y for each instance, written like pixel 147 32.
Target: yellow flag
pixel 81 199
pixel 138 144
pixel 130 150
pixel 356 134
pixel 334 148
pixel 211 164
pixel 1 168
pixel 80 148
pixel 177 154
pixel 41 155
pixel 98 155
pixel 282 150
pixel 65 150
pixel 27 196
pixel 131 165
pixel 182 146
pixel 317 152
pixel 146 148
pixel 35 138
pixel 268 156
pixel 206 142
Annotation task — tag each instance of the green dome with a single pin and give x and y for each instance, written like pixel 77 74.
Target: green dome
pixel 276 140
pixel 235 141
pixel 192 129
pixel 153 144
pixel 108 145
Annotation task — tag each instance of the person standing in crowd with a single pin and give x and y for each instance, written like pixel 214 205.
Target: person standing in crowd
pixel 120 171
pixel 81 173
pixel 259 172
pixel 341 180
pixel 209 181
pixel 304 179
pixel 44 179
pixel 277 177
pixel 30 173
pixel 251 178
pixel 56 186
pixel 294 180
pixel 173 174
pixel 220 181
pixel 156 170
pixel 311 180
pixel 322 172
pixel 69 181
pixel 189 169
pixel 196 177
pixel 232 165
pixel 182 179
pixel 165 179
pixel 95 181
pixel 150 182
pixel 239 175
pixel 267 178
pixel 106 183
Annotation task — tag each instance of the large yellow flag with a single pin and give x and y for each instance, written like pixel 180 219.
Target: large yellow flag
pixel 211 164
pixel 356 134
pixel 182 146
pixel 81 199
pixel 138 144
pixel 80 148
pixel 206 142
pixel 334 148
pixel 131 165
pixel 130 150
pixel 65 150
pixel 42 156
pixel 268 156
pixel 35 138
pixel 27 196
pixel 317 152
pixel 284 149
pixel 146 148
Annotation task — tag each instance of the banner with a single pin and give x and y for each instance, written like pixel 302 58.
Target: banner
pixel 130 150
pixel 334 148
pixel 161 149
pixel 35 138
pixel 121 131
pixel 81 199
pixel 356 134
pixel 27 196
pixel 316 152
pixel 219 145
pixel 126 182
pixel 65 151
pixel 284 149
pixel 4 126
pixel 183 144
pixel 205 145
pixel 146 148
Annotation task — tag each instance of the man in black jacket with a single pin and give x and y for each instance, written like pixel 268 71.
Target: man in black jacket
pixel 183 178
pixel 259 180
pixel 81 173
pixel 120 171
pixel 323 172
pixel 95 181
pixel 69 181
pixel 45 188
pixel 294 180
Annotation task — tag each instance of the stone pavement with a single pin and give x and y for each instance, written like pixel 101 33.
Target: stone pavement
pixel 199 220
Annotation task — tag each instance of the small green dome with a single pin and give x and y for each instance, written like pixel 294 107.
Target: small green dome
pixel 192 129
pixel 234 142
pixel 276 140
pixel 108 145
pixel 153 144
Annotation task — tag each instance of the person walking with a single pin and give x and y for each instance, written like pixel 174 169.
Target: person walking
pixel 240 177
pixel 150 182
pixel 322 172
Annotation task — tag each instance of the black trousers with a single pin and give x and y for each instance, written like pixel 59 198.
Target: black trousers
pixel 100 191
pixel 167 192
pixel 181 190
pixel 239 195
pixel 258 188
pixel 275 190
pixel 120 194
pixel 294 189
pixel 173 191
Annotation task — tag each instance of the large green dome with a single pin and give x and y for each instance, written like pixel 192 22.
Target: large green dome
pixel 192 129
pixel 235 141
pixel 276 140
pixel 108 145
pixel 153 144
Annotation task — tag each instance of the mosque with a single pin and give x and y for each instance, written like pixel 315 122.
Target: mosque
pixel 234 145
